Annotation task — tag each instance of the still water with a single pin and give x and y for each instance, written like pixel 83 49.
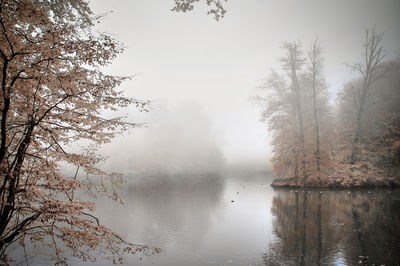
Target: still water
pixel 213 221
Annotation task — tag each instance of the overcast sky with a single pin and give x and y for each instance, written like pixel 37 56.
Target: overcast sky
pixel 192 58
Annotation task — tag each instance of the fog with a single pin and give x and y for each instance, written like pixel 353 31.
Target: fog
pixel 199 162
pixel 178 59
pixel 177 139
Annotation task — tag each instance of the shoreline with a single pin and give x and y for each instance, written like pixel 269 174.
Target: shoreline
pixel 291 183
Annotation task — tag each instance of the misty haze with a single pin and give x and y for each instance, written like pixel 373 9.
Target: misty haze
pixel 200 132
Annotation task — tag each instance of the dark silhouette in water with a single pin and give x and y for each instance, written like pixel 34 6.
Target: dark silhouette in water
pixel 319 228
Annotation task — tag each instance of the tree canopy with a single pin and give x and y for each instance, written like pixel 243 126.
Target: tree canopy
pixel 216 9
pixel 53 94
pixel 296 126
pixel 353 142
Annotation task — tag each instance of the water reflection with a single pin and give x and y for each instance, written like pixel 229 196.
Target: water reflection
pixel 164 212
pixel 240 221
pixel 335 227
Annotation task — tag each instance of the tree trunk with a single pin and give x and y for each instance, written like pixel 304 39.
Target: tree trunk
pixel 374 54
pixel 293 61
pixel 12 178
pixel 296 87
pixel 357 133
pixel 314 57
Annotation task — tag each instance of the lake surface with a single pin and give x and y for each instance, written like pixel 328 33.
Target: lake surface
pixel 212 221
pixel 243 221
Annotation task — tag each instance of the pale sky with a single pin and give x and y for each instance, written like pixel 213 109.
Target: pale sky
pixel 192 58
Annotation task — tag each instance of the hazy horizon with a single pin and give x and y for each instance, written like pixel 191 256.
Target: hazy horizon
pixel 179 58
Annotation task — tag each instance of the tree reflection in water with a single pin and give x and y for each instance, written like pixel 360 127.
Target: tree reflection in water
pixel 165 212
pixel 330 227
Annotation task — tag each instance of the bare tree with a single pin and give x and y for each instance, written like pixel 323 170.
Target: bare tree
pixel 370 71
pixel 292 63
pixel 314 57
pixel 279 111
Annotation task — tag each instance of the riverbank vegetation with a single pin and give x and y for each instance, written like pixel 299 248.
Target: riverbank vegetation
pixel 351 142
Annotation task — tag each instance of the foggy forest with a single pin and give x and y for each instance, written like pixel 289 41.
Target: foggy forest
pixel 199 132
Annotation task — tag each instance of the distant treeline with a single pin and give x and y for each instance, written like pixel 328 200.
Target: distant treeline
pixel 354 141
